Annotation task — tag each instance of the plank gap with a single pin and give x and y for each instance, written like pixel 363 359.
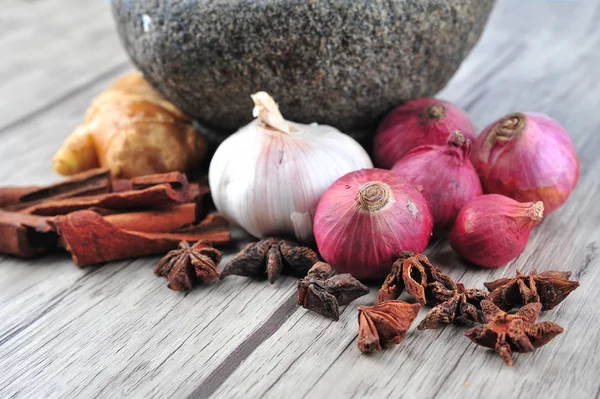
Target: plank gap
pixel 231 363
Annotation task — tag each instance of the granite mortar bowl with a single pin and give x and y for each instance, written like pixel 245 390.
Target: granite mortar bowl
pixel 343 63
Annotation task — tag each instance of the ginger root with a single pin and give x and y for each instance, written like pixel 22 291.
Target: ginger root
pixel 132 130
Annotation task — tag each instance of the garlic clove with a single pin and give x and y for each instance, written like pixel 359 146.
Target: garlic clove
pixel 303 225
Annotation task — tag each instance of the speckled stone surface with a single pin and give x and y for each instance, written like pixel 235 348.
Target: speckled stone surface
pixel 340 62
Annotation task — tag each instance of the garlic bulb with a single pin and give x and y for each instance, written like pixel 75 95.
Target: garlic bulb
pixel 269 176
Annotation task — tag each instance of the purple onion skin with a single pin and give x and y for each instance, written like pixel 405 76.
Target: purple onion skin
pixel 492 230
pixel 528 157
pixel 366 218
pixel 419 122
pixel 445 177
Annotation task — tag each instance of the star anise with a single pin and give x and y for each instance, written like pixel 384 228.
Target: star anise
pixel 324 293
pixel 271 257
pixel 385 324
pixel 461 303
pixel 550 288
pixel 414 273
pixel 508 333
pixel 187 266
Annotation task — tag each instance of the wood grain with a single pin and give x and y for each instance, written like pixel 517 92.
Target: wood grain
pixel 509 70
pixel 117 330
pixel 52 48
pixel 61 321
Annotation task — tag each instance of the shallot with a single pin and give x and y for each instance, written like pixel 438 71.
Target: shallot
pixel 415 123
pixel 366 218
pixel 492 230
pixel 444 175
pixel 528 157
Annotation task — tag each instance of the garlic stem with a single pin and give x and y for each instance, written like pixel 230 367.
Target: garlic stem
pixel 267 111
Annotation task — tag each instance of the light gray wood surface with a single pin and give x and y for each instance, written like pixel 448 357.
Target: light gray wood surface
pixel 117 330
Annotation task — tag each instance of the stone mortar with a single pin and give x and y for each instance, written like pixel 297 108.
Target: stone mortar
pixel 339 62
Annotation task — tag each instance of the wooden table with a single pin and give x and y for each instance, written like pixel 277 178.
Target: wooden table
pixel 117 330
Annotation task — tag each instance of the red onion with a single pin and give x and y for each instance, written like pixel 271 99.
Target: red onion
pixel 366 218
pixel 415 123
pixel 444 175
pixel 528 157
pixel 492 230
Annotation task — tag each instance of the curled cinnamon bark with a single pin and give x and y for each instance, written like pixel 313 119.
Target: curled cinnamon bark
pixel 97 189
pixel 166 189
pixel 91 239
pixel 92 182
pixel 101 219
pixel 12 195
pixel 25 235
pixel 159 220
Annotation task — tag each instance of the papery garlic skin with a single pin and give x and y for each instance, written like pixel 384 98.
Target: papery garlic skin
pixel 268 179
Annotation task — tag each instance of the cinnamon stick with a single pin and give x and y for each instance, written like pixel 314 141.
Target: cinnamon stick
pixel 43 200
pixel 12 195
pixel 147 208
pixel 175 189
pixel 92 239
pixel 175 179
pixel 155 220
pixel 92 182
pixel 26 236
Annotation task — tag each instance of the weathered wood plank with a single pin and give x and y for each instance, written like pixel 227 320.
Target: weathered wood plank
pixel 513 68
pixel 52 48
pixel 30 287
pixel 117 330
pixel 120 331
pixel 62 326
pixel 309 356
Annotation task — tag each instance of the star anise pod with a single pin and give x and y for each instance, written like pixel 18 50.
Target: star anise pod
pixel 324 293
pixel 188 265
pixel 414 273
pixel 550 288
pixel 508 333
pixel 461 303
pixel 385 324
pixel 271 257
